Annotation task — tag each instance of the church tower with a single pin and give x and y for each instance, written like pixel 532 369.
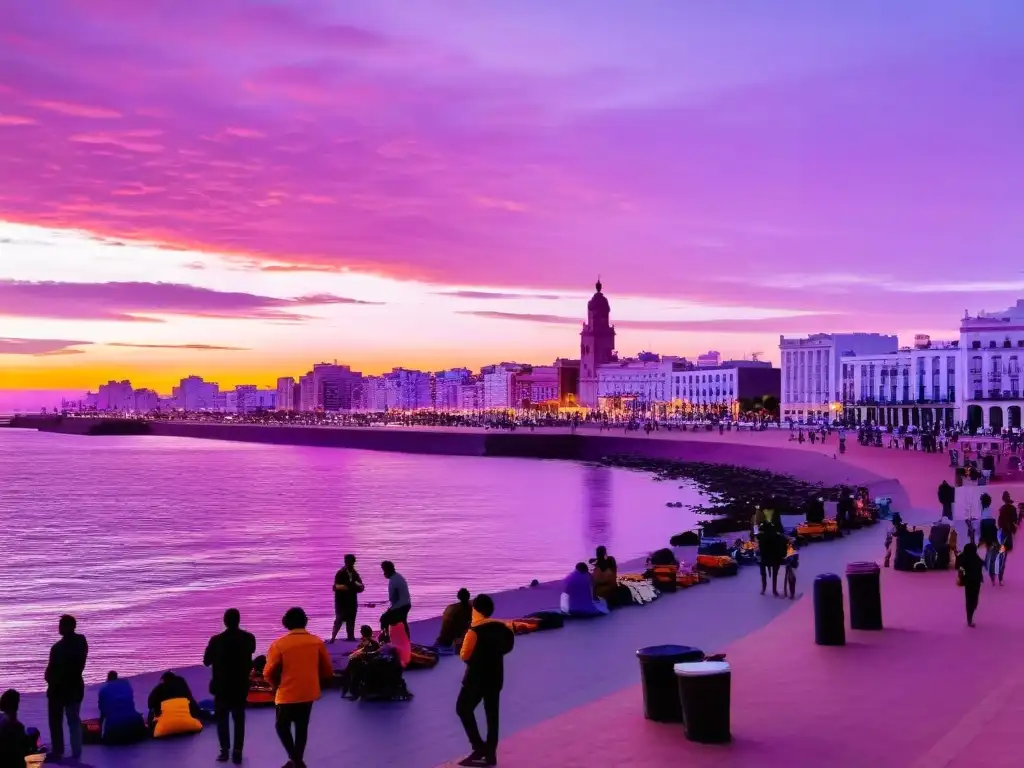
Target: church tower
pixel 597 346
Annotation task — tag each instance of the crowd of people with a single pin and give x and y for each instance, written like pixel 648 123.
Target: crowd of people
pixel 294 670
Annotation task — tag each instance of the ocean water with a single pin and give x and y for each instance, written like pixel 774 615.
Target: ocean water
pixel 146 540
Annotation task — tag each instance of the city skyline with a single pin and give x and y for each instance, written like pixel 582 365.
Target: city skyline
pixel 430 189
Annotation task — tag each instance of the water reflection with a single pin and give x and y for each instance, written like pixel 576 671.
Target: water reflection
pixel 597 496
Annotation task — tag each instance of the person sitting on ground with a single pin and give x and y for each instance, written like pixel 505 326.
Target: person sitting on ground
pixel 455 621
pixel 578 594
pixel 120 722
pixel 261 692
pixel 171 686
pixel 606 576
pixel 816 510
pixel 399 599
pixel 16 741
pixel 351 677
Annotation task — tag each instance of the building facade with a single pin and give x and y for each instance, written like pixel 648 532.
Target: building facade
pixel 286 394
pixel 118 396
pixel 146 401
pixel 195 394
pixel 812 370
pixel 633 384
pixel 726 385
pixel 597 347
pixel 535 386
pixel 498 385
pixel 915 386
pixel 992 348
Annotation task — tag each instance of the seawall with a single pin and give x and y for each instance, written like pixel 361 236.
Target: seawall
pixel 583 445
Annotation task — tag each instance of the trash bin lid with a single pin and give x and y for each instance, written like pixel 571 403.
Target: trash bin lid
pixel 828 577
pixel 863 567
pixel 674 653
pixel 701 668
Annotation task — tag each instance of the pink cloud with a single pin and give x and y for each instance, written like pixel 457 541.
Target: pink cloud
pixel 76 110
pixel 16 120
pixel 464 150
pixel 147 302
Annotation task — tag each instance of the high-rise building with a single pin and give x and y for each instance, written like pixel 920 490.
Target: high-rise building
pixel 597 346
pixel 116 396
pixel 286 394
pixel 447 388
pixel 498 385
pixel 146 401
pixel 307 393
pixel 333 385
pixel 194 394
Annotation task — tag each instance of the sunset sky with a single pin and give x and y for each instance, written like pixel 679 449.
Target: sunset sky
pixel 240 188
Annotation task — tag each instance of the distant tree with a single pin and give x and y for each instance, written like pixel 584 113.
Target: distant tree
pixel 771 404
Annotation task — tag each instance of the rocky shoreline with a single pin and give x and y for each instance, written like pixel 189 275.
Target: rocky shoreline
pixel 733 492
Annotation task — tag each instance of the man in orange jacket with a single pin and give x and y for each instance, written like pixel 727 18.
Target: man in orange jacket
pixel 484 649
pixel 296 663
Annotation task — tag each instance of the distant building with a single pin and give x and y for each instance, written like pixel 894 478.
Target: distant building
pixel 535 386
pixel 914 386
pixel 709 360
pixel 195 394
pixel 992 348
pixel 117 396
pixel 286 394
pixel 307 393
pixel 498 385
pixel 597 346
pixel 725 385
pixel 146 401
pixel 247 398
pixel 568 375
pixel 633 383
pixel 471 394
pixel 812 370
pixel 407 390
pixel 333 385
pixel 447 388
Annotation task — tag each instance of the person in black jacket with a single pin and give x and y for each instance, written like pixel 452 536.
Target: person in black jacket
pixel 15 741
pixel 171 686
pixel 347 586
pixel 65 687
pixel 972 575
pixel 229 655
pixel 483 649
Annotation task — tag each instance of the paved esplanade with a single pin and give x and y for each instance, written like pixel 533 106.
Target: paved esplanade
pixel 557 673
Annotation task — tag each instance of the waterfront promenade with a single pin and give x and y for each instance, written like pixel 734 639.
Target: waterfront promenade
pixel 791 699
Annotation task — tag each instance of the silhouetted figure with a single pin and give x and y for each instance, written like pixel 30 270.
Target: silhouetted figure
pixel 229 655
pixel 65 687
pixel 946 497
pixel 348 584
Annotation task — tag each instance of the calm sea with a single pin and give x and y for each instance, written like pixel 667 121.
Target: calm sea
pixel 146 540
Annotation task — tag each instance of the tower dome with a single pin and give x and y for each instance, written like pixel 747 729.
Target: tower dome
pixel 598 302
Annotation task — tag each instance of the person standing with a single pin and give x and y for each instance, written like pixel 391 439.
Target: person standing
pixel 65 687
pixel 946 497
pixel 971 575
pixel 347 586
pixel 1007 524
pixel 398 597
pixel 229 655
pixel 483 650
pixel 296 663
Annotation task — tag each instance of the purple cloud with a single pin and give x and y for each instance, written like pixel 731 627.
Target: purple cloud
pixel 775 324
pixel 146 302
pixel 193 347
pixel 41 347
pixel 497 295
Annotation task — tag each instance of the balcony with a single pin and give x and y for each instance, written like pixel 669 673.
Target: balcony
pixel 904 403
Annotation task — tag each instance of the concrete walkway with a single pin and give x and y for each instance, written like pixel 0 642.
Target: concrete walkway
pixel 927 692
pixel 549 674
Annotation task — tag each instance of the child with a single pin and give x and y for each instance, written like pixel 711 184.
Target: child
pixel 792 562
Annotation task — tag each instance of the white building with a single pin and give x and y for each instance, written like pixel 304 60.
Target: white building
pixel 992 346
pixel 286 394
pixel 710 359
pixel 307 393
pixel 639 382
pixel 194 394
pixel 725 385
pixel 471 395
pixel 914 386
pixel 498 385
pixel 407 390
pixel 448 388
pixel 812 370
pixel 246 398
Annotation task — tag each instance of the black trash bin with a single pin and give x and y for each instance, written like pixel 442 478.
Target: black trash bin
pixel 705 691
pixel 829 618
pixel 864 581
pixel 661 692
